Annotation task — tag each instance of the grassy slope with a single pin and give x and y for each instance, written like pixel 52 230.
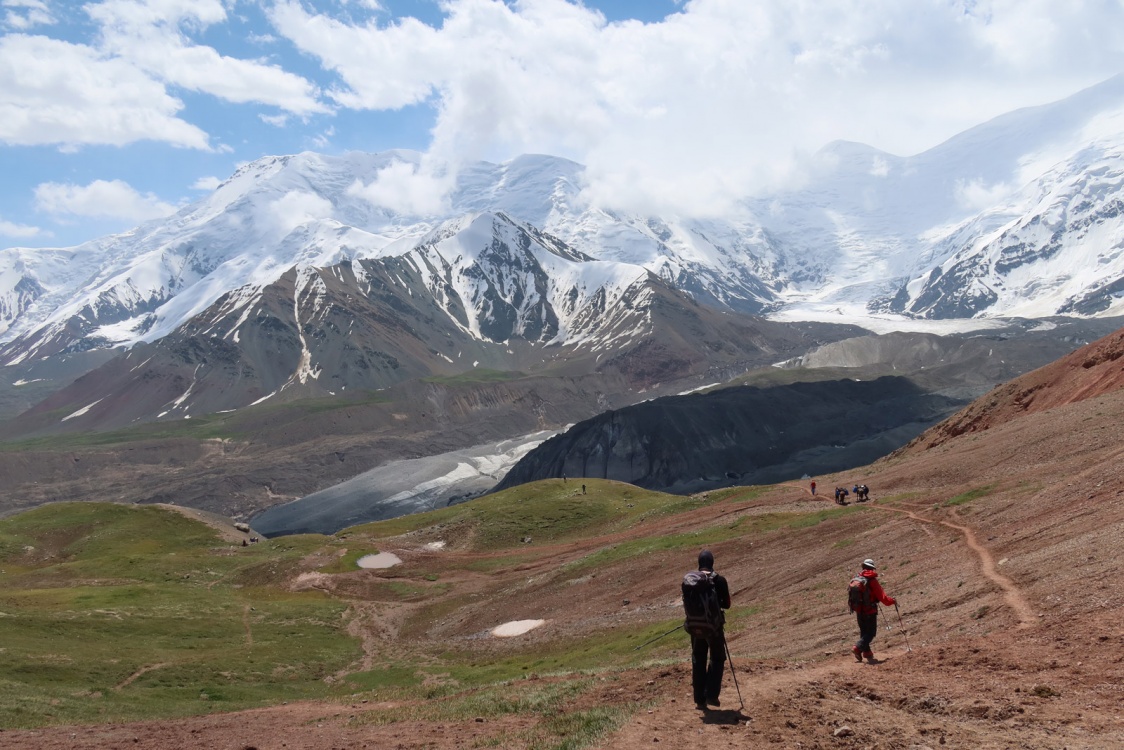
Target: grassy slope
pixel 95 593
pixel 113 612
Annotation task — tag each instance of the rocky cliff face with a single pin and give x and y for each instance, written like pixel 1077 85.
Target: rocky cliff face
pixel 739 435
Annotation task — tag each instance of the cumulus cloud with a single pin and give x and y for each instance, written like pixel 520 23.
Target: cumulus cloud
pixel 11 229
pixel 149 34
pixel 277 121
pixel 974 195
pixel 101 199
pixel 206 183
pixel 323 140
pixel 718 99
pixel 298 207
pixel 24 14
pixel 55 92
pixel 114 89
pixel 411 189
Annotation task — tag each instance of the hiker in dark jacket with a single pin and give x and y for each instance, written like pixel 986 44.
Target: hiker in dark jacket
pixel 867 613
pixel 706 679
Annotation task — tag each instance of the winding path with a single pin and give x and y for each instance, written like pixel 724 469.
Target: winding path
pixel 1011 593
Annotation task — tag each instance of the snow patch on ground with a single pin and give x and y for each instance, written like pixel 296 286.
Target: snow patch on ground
pixel 516 627
pixel 381 560
pixel 82 411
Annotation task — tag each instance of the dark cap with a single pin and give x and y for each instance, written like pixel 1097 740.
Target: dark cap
pixel 706 560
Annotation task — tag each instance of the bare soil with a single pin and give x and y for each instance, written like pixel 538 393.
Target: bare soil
pixel 1003 544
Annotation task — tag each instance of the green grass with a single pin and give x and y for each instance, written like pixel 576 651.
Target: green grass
pixel 474 377
pixel 207 427
pixel 228 426
pixel 967 497
pixel 554 724
pixel 349 561
pixel 546 511
pixel 742 527
pixel 94 594
pixel 118 612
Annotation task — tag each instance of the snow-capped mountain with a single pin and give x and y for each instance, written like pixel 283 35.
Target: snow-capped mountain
pixel 483 291
pixel 1019 215
pixel 917 235
pixel 1056 247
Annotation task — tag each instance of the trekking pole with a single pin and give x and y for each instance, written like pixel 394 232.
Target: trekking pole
pixel 902 626
pixel 665 635
pixel 733 672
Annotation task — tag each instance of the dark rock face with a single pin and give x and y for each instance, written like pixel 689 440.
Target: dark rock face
pixel 740 435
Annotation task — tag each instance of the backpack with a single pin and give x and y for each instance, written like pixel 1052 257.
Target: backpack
pixel 700 604
pixel 859 598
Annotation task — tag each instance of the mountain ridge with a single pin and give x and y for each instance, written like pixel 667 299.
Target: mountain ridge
pixel 869 232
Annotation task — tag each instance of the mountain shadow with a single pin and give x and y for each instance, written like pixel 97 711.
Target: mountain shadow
pixel 741 435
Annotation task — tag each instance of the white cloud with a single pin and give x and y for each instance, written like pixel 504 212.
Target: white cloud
pixel 297 207
pixel 277 121
pixel 55 92
pixel 150 34
pixel 974 195
pixel 103 199
pixel 406 189
pixel 206 183
pixel 24 14
pixel 10 229
pixel 114 89
pixel 323 140
pixel 724 97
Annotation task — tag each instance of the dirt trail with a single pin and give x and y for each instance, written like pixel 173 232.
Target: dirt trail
pixel 131 678
pixel 1011 593
pixel 246 625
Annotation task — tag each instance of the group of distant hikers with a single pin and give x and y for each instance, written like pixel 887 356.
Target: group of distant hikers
pixel 706 594
pixel 862 493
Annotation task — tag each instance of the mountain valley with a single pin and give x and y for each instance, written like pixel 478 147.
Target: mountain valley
pixel 998 531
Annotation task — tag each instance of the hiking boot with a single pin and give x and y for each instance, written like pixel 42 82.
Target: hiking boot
pixel 868 655
pixel 700 706
pixel 858 654
pixel 714 701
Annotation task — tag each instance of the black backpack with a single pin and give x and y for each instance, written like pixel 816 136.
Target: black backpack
pixel 859 598
pixel 700 604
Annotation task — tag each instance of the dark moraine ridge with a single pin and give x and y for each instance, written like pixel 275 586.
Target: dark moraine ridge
pixel 740 435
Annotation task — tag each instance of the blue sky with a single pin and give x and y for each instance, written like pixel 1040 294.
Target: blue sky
pixel 117 111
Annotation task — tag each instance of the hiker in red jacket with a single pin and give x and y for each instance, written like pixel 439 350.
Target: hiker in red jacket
pixel 864 596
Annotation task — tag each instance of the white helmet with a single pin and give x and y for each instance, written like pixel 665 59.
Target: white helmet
pixel 868 563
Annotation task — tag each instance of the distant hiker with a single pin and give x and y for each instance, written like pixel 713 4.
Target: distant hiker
pixel 705 595
pixel 862 493
pixel 813 488
pixel 583 489
pixel 863 594
pixel 841 495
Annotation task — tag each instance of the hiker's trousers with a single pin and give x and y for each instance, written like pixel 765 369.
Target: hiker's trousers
pixel 706 678
pixel 868 628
